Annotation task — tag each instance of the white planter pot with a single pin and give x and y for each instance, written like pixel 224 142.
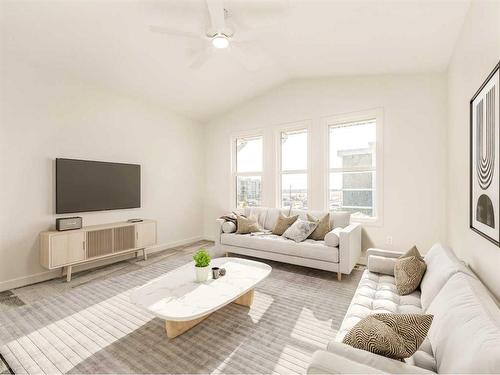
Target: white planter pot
pixel 202 273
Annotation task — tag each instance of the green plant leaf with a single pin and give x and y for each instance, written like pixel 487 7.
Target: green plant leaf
pixel 202 258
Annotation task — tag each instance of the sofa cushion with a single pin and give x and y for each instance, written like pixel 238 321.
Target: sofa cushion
pixel 340 219
pixel 424 357
pixel 323 362
pixel 283 223
pixel 247 225
pixel 377 294
pixel 408 271
pixel 300 230
pixel 337 219
pixel 272 216
pixel 322 229
pixel 441 263
pixel 375 362
pixel 228 227
pixel 278 244
pixel 332 238
pixel 395 336
pixel 381 264
pixel 465 333
pixel 258 212
pixel 267 217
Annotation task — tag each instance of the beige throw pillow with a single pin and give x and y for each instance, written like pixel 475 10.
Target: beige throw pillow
pixel 322 229
pixel 409 269
pixel 395 336
pixel 246 225
pixel 283 223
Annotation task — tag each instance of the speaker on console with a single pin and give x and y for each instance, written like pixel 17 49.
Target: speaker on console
pixel 69 223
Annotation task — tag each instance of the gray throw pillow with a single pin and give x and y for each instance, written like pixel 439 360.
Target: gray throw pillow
pixel 395 336
pixel 283 223
pixel 409 269
pixel 300 230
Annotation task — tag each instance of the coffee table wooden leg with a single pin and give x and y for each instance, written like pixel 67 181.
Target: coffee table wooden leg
pixel 246 299
pixel 175 328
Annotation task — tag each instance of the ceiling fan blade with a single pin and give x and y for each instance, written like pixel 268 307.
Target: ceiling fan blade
pixel 201 58
pixel 238 23
pixel 249 56
pixel 173 32
pixel 217 16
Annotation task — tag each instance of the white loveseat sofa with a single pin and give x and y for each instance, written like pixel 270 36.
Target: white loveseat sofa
pixel 339 251
pixel 465 333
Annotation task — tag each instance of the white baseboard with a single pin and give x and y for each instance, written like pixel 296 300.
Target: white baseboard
pixel 209 238
pixel 30 279
pixel 47 275
pixel 161 247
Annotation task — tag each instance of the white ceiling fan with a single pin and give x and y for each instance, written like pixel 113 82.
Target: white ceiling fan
pixel 219 36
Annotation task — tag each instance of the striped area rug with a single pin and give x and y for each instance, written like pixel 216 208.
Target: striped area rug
pixel 94 329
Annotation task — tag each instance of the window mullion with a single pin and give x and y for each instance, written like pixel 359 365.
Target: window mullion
pixel 293 147
pixel 352 169
pixel 295 171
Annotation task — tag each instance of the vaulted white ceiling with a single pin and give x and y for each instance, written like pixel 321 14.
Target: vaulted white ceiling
pixel 109 43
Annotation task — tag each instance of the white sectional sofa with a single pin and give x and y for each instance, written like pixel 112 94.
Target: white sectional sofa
pixel 465 333
pixel 339 251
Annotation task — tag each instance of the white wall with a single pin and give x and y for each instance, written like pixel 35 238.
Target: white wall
pixel 476 54
pixel 45 115
pixel 414 148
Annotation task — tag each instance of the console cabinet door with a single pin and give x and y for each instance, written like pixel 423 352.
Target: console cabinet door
pixel 67 248
pixel 145 234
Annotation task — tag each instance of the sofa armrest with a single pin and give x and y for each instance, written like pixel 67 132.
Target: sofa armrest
pixel 218 231
pixel 217 251
pixel 323 362
pixel 349 247
pixel 383 253
pixel 374 361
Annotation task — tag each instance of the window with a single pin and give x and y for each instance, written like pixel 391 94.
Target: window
pixel 293 167
pixel 248 171
pixel 352 168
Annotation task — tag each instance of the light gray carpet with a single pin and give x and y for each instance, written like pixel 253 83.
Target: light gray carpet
pixel 93 328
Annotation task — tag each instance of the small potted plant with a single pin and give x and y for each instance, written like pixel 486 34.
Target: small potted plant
pixel 202 265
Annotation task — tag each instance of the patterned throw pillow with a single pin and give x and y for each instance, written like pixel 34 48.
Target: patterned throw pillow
pixel 322 229
pixel 395 336
pixel 247 225
pixel 409 269
pixel 300 230
pixel 283 223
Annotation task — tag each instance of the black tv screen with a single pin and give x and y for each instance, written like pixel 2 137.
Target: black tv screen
pixel 83 185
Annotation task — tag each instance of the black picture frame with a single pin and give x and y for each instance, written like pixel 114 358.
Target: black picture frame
pixel 471 150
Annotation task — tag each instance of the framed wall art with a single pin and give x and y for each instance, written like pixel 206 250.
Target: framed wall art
pixel 485 159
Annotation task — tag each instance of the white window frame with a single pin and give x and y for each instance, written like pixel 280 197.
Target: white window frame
pixel 378 116
pixel 234 166
pixel 302 125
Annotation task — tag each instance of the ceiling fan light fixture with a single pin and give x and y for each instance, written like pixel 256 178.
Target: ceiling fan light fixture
pixel 220 41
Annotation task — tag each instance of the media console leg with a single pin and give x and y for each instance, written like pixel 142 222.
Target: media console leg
pixel 145 254
pixel 68 273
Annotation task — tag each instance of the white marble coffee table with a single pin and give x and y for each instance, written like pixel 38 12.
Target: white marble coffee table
pixel 183 303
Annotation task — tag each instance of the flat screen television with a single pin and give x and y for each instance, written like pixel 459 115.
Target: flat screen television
pixel 84 185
